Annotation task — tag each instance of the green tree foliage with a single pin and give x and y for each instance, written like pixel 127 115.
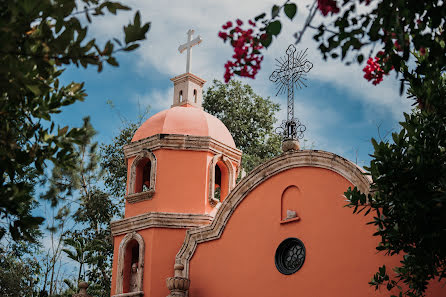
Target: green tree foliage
pixel 249 117
pixel 19 273
pixel 409 201
pixel 88 242
pixel 112 160
pixel 39 38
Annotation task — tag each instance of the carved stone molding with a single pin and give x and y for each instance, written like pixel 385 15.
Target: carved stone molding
pixel 160 220
pixel 121 255
pixel 231 177
pixel 131 294
pixel 141 196
pixel 182 142
pixel 289 160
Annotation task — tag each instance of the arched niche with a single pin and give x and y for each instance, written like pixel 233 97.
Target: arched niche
pixel 195 95
pixel 131 250
pixel 221 178
pixel 143 173
pixel 289 204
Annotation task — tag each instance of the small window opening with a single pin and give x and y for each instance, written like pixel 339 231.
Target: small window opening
pixel 181 96
pixel 217 186
pixel 195 96
pixel 143 174
pixel 146 176
pixel 131 267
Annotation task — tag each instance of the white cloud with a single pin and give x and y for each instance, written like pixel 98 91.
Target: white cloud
pixel 157 99
pixel 171 20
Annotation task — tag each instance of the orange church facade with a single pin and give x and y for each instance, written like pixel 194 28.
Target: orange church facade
pixel 191 230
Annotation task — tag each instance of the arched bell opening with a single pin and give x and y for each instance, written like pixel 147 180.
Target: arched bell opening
pixel 221 184
pixel 180 96
pixel 221 179
pixel 130 264
pixel 195 95
pixel 131 260
pixel 143 173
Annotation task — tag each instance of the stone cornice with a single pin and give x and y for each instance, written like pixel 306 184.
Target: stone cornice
pixel 160 220
pixel 188 76
pixel 182 142
pixel 289 160
pixel 141 196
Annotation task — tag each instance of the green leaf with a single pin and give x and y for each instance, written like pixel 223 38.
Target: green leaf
pixel 112 61
pixel 290 10
pixel 131 47
pixel 275 11
pixel 260 16
pixel 35 89
pixel 62 131
pixel 267 41
pixel 274 28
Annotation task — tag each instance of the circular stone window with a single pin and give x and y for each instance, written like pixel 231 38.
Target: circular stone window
pixel 290 256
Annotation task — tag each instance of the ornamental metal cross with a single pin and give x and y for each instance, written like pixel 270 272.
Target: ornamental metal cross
pixel 290 73
pixel 188 46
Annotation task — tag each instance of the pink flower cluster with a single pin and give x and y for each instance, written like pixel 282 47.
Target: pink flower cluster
pixel 327 6
pixel 373 70
pixel 247 58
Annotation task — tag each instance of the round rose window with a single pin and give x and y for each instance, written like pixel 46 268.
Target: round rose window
pixel 290 255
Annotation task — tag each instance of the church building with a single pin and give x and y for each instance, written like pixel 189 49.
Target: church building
pixel 191 229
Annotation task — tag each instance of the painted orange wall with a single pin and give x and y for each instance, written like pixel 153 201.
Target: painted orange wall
pixel 161 247
pixel 341 256
pixel 182 189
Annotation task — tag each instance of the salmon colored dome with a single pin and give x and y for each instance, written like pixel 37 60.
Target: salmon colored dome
pixel 186 120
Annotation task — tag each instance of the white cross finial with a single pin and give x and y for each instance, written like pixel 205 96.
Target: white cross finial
pixel 188 46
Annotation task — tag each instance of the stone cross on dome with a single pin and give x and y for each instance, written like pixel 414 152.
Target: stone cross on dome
pixel 188 46
pixel 187 87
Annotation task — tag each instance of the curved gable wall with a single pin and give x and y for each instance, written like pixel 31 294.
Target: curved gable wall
pixel 341 255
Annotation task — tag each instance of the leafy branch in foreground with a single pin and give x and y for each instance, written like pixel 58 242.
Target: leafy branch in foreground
pixel 42 36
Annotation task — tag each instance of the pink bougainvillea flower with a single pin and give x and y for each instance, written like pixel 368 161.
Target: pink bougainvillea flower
pixel 246 45
pixel 327 6
pixel 373 70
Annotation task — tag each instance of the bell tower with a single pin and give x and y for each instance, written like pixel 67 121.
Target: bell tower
pixel 181 164
pixel 187 90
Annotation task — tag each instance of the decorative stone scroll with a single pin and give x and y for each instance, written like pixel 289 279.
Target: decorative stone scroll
pixel 178 285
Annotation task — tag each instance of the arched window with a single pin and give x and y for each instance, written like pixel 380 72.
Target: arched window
pixel 217 183
pixel 143 172
pixel 180 96
pixel 130 264
pixel 142 177
pixel 221 179
pixel 195 95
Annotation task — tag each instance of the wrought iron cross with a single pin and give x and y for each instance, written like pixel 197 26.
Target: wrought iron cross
pixel 290 73
pixel 188 46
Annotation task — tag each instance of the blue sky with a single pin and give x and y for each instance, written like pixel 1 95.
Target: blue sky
pixel 340 109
